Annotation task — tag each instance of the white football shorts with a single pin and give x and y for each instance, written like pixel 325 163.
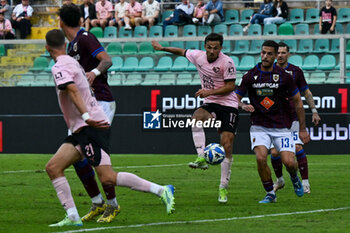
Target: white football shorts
pixel 295 134
pixel 281 138
pixel 108 108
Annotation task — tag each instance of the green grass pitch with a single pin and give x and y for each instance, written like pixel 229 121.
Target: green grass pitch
pixel 28 202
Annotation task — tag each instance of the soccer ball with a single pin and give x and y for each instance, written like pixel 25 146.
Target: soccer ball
pixel 214 153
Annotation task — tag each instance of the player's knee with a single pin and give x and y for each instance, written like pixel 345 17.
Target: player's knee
pixel 274 153
pixel 108 179
pixel 260 159
pixel 298 147
pixel 52 170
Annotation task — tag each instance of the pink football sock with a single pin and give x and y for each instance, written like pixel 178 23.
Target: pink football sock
pixel 198 139
pixel 134 182
pixel 225 172
pixel 63 192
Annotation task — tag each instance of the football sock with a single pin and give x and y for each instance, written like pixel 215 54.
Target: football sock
pixel 134 182
pixel 97 199
pixel 112 202
pixel 198 139
pixel 110 193
pixel 72 214
pixel 63 192
pixel 87 176
pixel 268 185
pixel 277 165
pixel 302 164
pixel 225 172
pixel 294 176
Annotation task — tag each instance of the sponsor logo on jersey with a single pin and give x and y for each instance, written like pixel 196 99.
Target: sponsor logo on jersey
pixel 267 103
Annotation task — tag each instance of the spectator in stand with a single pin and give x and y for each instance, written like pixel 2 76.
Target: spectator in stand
pixel 150 13
pixel 328 17
pixel 132 14
pixel 21 18
pixel 5 28
pixel 119 10
pixel 214 13
pixel 279 13
pixel 104 11
pixel 88 13
pixel 6 9
pixel 265 11
pixel 182 14
pixel 198 12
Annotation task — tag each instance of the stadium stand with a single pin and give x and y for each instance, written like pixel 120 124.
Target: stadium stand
pixel 140 32
pixel 97 31
pixel 117 44
pixel 146 48
pixel 312 15
pixel 296 16
pixel 231 17
pixel 327 62
pixel 156 31
pixel 311 62
pixel 110 32
pixel 236 30
pixel 321 46
pixel 117 64
pixel 204 30
pixel 146 64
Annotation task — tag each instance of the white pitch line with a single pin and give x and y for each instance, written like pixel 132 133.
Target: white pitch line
pixel 120 167
pixel 206 220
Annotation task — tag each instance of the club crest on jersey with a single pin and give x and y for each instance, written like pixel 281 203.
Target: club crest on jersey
pixel 216 69
pixel 231 70
pixel 75 46
pixel 255 77
pixel 276 77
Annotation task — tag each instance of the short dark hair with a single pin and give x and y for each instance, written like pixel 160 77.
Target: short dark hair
pixel 282 44
pixel 271 43
pixel 70 15
pixel 214 37
pixel 55 38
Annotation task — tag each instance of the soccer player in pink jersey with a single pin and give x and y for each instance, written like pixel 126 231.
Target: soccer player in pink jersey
pixel 88 51
pixel 218 74
pixel 269 88
pixel 298 76
pixel 90 137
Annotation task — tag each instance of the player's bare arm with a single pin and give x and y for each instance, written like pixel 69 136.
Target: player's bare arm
pixel 245 107
pixel 303 134
pixel 310 101
pixel 226 89
pixel 174 50
pixel 103 66
pixel 76 98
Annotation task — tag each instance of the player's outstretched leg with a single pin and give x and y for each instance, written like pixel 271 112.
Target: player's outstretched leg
pixel 199 142
pixel 303 167
pixel 87 176
pixel 277 167
pixel 126 179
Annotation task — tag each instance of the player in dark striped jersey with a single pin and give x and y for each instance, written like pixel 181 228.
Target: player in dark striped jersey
pixel 298 76
pixel 269 87
pixel 87 50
